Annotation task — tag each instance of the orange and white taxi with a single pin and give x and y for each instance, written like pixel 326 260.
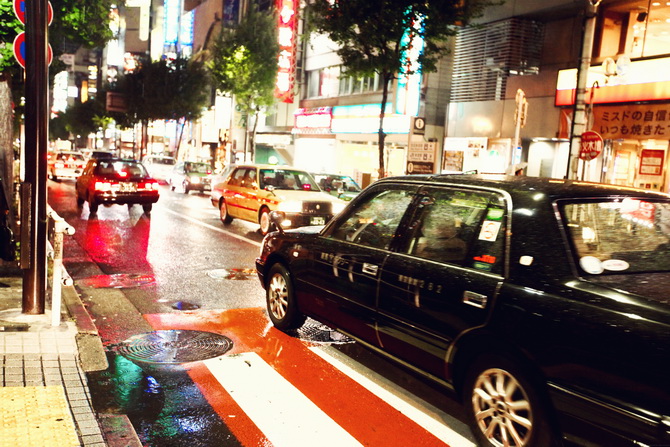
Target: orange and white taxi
pixel 250 192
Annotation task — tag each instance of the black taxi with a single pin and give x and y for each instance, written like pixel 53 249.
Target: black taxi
pixel 543 303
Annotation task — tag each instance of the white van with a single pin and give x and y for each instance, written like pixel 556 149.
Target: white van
pixel 159 166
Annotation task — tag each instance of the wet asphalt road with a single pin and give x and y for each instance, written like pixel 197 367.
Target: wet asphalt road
pixel 179 264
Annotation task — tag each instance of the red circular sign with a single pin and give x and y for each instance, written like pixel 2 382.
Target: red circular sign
pixel 20 50
pixel 591 145
pixel 20 11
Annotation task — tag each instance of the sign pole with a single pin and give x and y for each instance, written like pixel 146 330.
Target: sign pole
pixel 36 138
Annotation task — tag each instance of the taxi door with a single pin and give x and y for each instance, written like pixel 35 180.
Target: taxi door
pixel 444 278
pixel 341 287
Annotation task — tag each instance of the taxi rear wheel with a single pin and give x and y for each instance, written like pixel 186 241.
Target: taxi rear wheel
pixel 503 405
pixel 226 218
pixel 280 297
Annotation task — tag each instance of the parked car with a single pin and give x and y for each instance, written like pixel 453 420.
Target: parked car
pixel 188 176
pixel 341 186
pixel 159 166
pixel 251 192
pixel 543 303
pixel 65 165
pixel 113 180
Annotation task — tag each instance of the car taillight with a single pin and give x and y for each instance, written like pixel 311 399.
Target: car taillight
pixel 149 186
pixel 103 186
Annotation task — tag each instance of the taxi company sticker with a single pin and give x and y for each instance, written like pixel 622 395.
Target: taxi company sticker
pixel 489 231
pixel 495 214
pixel 615 265
pixel 591 265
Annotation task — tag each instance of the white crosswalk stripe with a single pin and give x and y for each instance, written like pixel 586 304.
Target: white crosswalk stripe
pixel 427 416
pixel 279 410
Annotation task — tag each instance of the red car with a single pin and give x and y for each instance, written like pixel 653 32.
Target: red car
pixel 115 180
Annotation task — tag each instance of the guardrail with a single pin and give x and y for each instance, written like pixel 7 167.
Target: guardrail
pixel 60 277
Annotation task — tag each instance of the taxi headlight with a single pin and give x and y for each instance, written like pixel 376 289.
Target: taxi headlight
pixel 339 206
pixel 290 206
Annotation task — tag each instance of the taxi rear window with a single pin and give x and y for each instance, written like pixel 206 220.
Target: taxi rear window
pixel 615 236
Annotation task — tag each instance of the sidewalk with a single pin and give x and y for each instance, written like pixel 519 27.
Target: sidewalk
pixel 44 394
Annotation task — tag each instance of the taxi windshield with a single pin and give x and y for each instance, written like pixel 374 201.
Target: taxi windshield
pixel 288 179
pixel 619 235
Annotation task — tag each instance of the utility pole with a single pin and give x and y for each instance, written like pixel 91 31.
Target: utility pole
pixel 34 191
pixel 579 115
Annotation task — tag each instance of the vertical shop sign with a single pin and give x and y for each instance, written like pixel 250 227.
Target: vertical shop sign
pixel 288 20
pixel 651 161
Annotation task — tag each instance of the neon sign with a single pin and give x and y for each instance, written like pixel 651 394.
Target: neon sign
pixel 288 20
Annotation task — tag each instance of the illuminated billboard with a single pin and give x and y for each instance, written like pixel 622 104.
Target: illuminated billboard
pixel 288 20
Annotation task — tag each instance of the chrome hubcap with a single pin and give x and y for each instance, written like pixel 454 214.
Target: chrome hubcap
pixel 502 409
pixel 278 296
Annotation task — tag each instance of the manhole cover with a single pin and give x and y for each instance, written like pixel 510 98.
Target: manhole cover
pixel 174 346
pixel 118 281
pixel 183 305
pixel 316 332
pixel 238 274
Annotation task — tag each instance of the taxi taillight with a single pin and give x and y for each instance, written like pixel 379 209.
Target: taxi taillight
pixel 149 186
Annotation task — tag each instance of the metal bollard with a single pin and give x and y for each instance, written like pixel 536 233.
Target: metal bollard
pixel 60 227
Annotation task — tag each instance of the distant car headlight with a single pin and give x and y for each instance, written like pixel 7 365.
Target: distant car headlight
pixel 338 206
pixel 290 206
pixel 194 180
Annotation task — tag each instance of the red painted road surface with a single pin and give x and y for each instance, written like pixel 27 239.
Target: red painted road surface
pixel 357 415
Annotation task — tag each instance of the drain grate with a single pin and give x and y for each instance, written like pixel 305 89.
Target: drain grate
pixel 184 305
pixel 237 274
pixel 316 332
pixel 173 346
pixel 117 281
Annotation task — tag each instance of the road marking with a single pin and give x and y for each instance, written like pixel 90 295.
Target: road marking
pixel 280 411
pixel 421 412
pixel 212 227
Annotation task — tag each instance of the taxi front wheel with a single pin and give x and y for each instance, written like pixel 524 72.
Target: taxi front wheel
pixel 280 297
pixel 504 407
pixel 265 222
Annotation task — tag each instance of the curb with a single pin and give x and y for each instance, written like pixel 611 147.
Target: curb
pixel 91 352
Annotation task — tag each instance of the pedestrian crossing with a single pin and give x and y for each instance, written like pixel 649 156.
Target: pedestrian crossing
pixel 275 390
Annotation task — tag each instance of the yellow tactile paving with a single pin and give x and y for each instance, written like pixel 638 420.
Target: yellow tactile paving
pixel 36 416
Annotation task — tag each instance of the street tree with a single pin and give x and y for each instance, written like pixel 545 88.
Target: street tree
pixel 166 89
pixel 378 36
pixel 243 63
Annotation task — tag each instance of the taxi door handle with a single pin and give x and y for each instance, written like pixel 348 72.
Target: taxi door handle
pixel 475 299
pixel 370 269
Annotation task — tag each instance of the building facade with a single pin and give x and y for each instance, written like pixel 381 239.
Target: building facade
pixel 627 97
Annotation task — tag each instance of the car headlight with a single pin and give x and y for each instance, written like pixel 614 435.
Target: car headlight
pixel 194 180
pixel 290 206
pixel 338 206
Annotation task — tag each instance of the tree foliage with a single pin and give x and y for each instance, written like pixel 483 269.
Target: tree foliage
pixel 243 62
pixel 174 89
pixel 375 36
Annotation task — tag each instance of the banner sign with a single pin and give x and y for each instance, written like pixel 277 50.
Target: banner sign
pixel 634 121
